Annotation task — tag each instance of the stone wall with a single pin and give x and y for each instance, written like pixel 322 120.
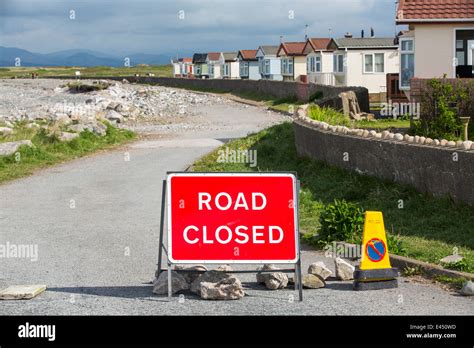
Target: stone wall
pixel 275 89
pixel 427 168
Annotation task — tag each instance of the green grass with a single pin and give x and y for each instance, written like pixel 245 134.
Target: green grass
pixel 25 72
pixel 336 118
pixel 430 228
pixel 49 151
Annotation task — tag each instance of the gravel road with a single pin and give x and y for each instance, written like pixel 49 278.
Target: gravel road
pixel 95 222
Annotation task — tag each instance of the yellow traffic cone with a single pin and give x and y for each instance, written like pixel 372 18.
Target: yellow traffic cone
pixel 374 271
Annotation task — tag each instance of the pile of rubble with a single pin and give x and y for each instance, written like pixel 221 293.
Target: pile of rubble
pixel 219 285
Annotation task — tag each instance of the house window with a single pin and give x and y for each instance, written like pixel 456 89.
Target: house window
pixel 225 69
pixel 211 69
pixel 266 66
pixel 244 68
pixel 287 66
pixel 290 66
pixel 407 62
pixel 374 63
pixel 318 63
pixel 338 63
pixel 198 70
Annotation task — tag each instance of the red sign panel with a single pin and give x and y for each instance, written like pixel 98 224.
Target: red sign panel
pixel 232 217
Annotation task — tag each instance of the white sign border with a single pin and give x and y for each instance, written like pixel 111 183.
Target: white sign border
pixel 228 174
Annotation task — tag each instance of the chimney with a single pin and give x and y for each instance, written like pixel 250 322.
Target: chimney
pixel 348 35
pixel 362 33
pixel 306 32
pixel 281 38
pixel 372 32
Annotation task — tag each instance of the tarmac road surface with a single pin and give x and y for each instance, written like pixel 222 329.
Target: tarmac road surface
pixel 95 221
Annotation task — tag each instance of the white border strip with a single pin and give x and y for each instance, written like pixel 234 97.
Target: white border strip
pixel 295 199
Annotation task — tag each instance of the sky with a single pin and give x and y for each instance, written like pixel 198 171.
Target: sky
pixel 178 26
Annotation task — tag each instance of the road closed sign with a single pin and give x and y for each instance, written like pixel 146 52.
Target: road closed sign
pixel 232 218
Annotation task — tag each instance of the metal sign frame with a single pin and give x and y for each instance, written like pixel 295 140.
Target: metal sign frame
pixel 166 212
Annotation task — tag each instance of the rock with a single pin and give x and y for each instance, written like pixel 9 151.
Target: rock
pixel 378 135
pixel 9 148
pixel 225 289
pixel 113 115
pixel 178 283
pixel 360 132
pixel 416 139
pixel 459 144
pixel 436 142
pixel 114 106
pixel 6 131
pixel 65 136
pixel 451 144
pixel 429 141
pixel 344 270
pixel 385 134
pixel 443 142
pixel 406 136
pixel 319 269
pixel 125 81
pixel 191 276
pixel 62 119
pixel 451 259
pixel 32 125
pixel 277 280
pixel 466 145
pixel 398 137
pixel 365 133
pixel 261 276
pixel 411 139
pixel 313 281
pixel 372 133
pixel 468 289
pixel 212 276
pixel 224 268
pixel 472 147
pixel 422 140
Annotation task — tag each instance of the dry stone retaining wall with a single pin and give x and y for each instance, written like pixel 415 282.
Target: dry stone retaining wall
pixel 433 169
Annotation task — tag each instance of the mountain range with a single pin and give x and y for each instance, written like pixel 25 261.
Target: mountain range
pixel 76 57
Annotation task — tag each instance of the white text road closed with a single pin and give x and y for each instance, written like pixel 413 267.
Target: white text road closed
pixel 244 218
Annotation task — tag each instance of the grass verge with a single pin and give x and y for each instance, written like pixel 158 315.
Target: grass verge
pixel 48 150
pixel 429 228
pixel 96 71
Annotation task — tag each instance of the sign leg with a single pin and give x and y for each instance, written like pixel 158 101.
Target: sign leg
pixel 162 223
pixel 300 279
pixel 169 281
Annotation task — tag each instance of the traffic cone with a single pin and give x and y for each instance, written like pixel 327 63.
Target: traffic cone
pixel 374 271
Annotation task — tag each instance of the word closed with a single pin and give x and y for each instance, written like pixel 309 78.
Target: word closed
pixel 241 217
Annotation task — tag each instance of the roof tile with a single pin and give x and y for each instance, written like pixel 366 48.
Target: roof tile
pixel 435 9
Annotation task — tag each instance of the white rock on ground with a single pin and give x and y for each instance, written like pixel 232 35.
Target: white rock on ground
pixel 450 259
pixel 178 283
pixel 66 136
pixel 344 270
pixel 9 148
pixel 191 276
pixel 113 115
pixel 272 281
pixel 468 289
pixel 398 137
pixel 320 269
pixel 212 276
pixel 6 131
pixel 226 289
pixel 313 281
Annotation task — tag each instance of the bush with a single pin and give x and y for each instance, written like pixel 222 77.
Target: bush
pixel 341 221
pixel 442 102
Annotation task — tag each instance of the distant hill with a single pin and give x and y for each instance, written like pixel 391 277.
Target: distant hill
pixel 76 57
